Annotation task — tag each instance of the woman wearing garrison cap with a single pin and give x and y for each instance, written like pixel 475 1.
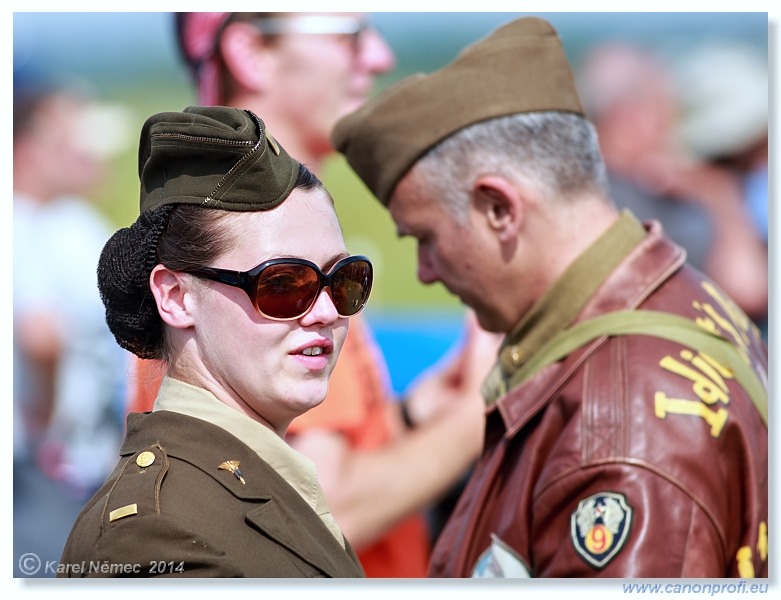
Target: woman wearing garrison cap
pixel 219 277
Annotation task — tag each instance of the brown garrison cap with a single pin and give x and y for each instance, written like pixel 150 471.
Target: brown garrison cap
pixel 212 156
pixel 521 67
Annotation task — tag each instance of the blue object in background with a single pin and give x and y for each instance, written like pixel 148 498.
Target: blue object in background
pixel 757 191
pixel 413 341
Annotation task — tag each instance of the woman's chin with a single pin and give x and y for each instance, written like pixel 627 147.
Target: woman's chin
pixel 310 396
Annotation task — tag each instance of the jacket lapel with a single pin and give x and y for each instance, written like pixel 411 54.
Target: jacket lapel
pixel 284 515
pixel 302 532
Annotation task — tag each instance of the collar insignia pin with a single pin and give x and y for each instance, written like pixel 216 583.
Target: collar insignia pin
pixel 233 467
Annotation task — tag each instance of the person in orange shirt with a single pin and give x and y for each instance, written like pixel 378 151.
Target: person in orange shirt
pixel 380 466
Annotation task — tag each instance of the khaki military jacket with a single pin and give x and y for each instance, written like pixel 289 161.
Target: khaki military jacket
pixel 634 456
pixel 169 510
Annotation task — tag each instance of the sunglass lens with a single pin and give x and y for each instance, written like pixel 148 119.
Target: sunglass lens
pixel 286 291
pixel 351 286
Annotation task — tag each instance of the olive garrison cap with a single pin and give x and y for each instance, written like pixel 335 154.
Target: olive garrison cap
pixel 212 156
pixel 521 67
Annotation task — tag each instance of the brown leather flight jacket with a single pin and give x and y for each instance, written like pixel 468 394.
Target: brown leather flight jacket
pixel 632 457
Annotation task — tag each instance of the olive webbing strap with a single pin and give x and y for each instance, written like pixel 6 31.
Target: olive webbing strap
pixel 653 323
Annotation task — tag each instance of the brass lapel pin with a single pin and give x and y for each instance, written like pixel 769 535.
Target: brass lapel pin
pixel 233 467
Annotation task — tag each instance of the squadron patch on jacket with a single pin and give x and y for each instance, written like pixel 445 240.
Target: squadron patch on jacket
pixel 599 527
pixel 499 560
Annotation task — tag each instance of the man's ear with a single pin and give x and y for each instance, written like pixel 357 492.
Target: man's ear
pixel 245 57
pixel 171 290
pixel 501 203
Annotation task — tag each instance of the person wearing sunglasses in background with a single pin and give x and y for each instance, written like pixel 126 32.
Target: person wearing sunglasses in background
pixel 303 71
pixel 220 278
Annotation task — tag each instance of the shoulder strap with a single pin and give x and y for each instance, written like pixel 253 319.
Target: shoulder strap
pixel 654 323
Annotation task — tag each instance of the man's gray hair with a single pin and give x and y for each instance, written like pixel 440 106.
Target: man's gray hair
pixel 556 152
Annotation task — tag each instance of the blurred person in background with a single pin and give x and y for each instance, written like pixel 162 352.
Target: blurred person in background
pixel 69 375
pixel 638 103
pixel 381 463
pixel 723 91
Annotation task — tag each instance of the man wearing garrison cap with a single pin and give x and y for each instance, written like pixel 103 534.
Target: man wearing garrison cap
pixel 626 416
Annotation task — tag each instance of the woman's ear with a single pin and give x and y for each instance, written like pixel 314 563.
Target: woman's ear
pixel 171 290
pixel 501 203
pixel 245 56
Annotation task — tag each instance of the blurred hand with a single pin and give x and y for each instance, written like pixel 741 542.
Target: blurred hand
pixel 455 380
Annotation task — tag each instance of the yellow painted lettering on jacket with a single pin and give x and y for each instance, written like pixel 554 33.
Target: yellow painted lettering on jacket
pixel 745 566
pixel 762 542
pixel 718 323
pixel 664 406
pixel 736 315
pixel 706 390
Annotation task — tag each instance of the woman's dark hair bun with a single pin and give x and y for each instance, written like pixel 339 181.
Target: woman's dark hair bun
pixel 124 267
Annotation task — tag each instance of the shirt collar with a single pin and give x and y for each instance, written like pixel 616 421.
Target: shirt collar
pixel 294 467
pixel 562 303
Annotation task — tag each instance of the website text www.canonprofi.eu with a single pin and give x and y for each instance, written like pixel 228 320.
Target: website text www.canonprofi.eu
pixel 706 589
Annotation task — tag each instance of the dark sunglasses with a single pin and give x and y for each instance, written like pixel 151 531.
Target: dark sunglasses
pixel 285 289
